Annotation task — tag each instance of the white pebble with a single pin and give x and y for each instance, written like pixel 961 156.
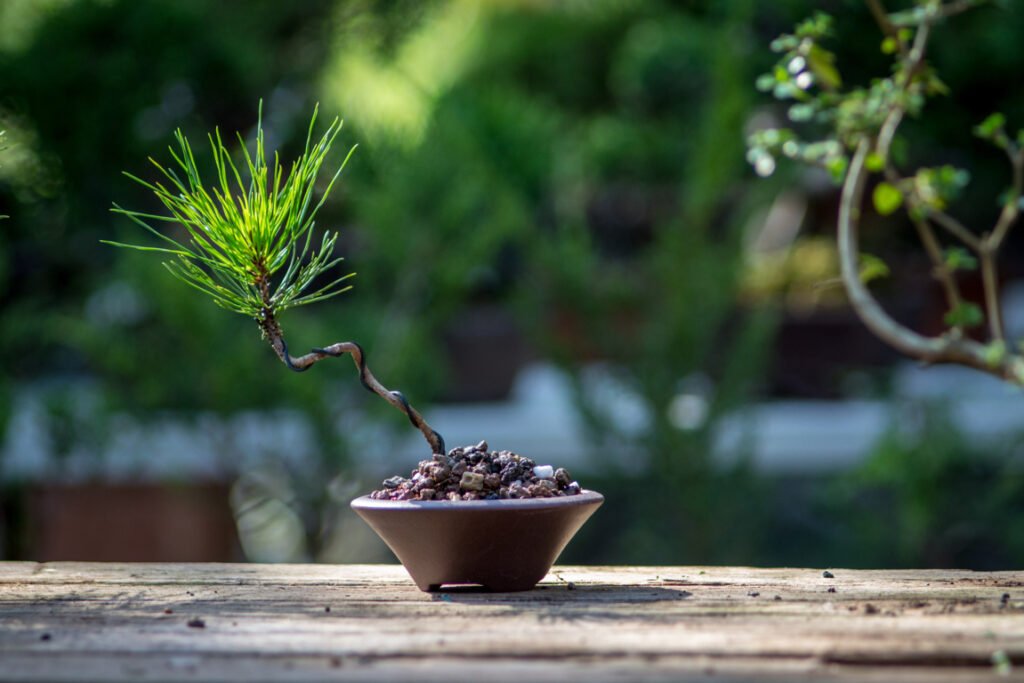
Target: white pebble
pixel 543 471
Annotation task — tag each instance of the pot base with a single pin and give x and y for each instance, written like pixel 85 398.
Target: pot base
pixel 501 545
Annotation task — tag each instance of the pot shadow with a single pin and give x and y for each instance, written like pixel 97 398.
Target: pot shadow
pixel 569 602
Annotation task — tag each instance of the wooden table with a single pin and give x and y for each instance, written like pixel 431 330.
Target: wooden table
pixel 245 622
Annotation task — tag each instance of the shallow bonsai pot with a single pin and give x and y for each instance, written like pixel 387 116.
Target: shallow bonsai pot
pixel 502 545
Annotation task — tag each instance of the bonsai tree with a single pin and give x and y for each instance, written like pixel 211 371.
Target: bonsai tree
pixel 857 127
pixel 250 247
pixel 251 242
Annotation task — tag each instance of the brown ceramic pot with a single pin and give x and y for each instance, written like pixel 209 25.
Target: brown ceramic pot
pixel 502 545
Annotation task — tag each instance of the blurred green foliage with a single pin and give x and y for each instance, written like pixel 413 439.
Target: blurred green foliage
pixel 579 166
pixel 926 497
pixel 93 88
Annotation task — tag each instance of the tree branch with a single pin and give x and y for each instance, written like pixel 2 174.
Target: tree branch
pixel 990 285
pixel 957 7
pixel 940 271
pixel 945 349
pixel 990 244
pixel 881 16
pixel 272 332
pixel 914 61
pixel 955 228
pixel 1011 211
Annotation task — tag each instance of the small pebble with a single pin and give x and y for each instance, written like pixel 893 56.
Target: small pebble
pixel 827 574
pixel 544 471
pixel 538 491
pixel 472 481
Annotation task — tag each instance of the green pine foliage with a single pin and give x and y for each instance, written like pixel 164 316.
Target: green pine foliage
pixel 250 245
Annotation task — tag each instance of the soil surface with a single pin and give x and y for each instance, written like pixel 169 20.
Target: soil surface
pixel 477 473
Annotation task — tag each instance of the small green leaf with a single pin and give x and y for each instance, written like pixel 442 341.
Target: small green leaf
pixel 887 198
pixel 964 314
pixel 874 162
pixel 818 26
pixel 762 160
pixel 836 167
pixel 958 258
pixel 936 187
pixel 765 82
pixel 872 268
pixel 889 46
pixel 956 178
pixel 995 353
pixel 784 43
pixel 822 64
pixel 992 125
pixel 799 113
pixel 936 86
pixel 784 91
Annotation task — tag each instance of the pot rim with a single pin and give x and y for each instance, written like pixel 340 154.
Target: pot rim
pixel 584 497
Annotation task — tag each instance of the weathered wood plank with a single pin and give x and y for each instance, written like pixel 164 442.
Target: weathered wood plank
pixel 73 621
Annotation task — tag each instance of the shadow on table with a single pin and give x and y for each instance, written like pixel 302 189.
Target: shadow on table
pixel 569 602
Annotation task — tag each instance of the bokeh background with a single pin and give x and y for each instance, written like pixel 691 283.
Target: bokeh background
pixel 560 249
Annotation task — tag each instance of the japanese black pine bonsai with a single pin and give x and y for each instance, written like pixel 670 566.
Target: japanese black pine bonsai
pixel 251 242
pixel 252 246
pixel 850 132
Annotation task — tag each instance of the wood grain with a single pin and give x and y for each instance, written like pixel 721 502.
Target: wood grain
pixel 77 621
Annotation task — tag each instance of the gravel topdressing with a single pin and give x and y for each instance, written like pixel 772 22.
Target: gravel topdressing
pixel 476 473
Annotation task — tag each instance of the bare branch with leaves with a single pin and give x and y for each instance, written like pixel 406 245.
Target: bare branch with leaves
pixel 860 125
